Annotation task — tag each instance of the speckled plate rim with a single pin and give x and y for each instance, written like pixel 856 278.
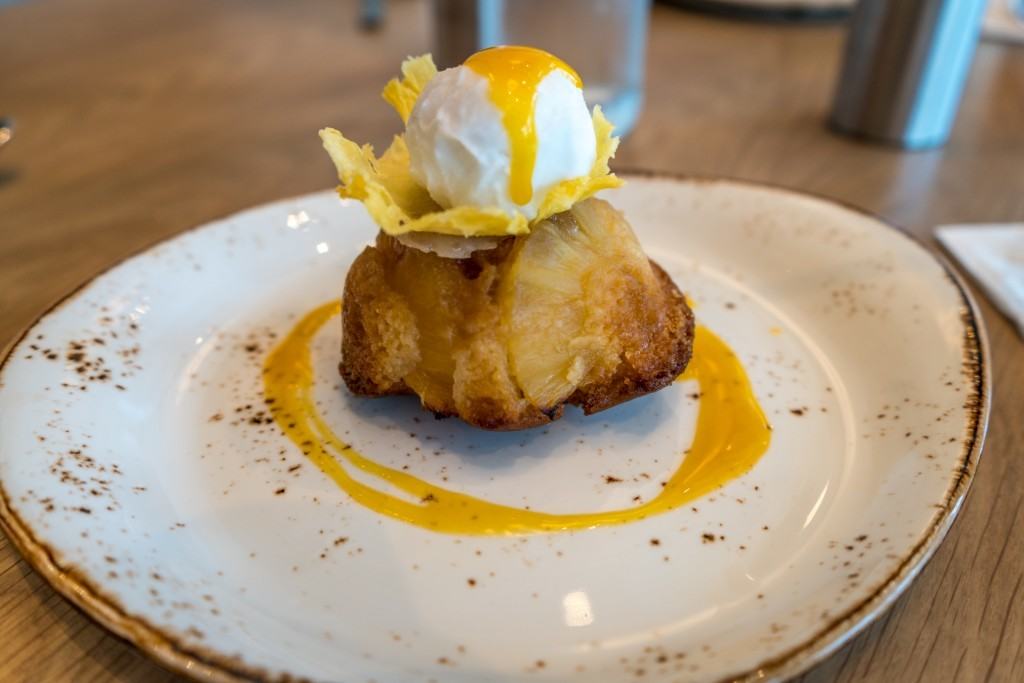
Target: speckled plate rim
pixel 208 665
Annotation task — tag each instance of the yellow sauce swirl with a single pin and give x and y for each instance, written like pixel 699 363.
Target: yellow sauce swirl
pixel 513 73
pixel 731 435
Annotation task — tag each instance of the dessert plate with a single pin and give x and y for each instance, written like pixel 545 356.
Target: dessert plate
pixel 141 474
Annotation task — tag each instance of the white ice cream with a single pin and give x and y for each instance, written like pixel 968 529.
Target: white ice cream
pixel 459 149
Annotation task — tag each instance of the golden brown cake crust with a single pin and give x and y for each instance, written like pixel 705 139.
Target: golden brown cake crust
pixel 647 368
pixel 452 331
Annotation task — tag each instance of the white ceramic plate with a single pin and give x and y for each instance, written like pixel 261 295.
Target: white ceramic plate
pixel 140 480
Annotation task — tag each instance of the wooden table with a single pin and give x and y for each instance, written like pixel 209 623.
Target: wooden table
pixel 137 120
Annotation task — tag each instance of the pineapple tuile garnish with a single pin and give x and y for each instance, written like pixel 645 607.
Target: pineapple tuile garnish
pixel 402 94
pixel 400 205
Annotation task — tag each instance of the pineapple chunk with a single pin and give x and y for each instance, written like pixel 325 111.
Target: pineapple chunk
pixel 559 300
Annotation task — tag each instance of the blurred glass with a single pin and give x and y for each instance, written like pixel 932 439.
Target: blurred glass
pixel 603 40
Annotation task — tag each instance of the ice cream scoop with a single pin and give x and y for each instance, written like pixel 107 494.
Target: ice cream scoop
pixel 500 131
pixel 496 145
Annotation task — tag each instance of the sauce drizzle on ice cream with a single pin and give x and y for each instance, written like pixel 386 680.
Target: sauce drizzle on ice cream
pixel 513 74
pixel 732 434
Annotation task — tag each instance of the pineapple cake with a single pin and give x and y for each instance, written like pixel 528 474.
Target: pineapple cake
pixel 499 288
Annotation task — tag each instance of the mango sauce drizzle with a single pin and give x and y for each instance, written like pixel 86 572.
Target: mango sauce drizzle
pixel 732 434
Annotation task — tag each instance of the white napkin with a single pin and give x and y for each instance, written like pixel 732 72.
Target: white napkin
pixel 1002 22
pixel 994 255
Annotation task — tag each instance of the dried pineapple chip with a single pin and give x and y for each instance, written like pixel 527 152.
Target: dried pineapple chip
pixel 402 94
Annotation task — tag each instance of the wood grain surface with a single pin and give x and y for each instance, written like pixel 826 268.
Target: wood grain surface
pixel 136 120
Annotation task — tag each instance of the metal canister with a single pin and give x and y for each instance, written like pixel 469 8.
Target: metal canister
pixel 904 69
